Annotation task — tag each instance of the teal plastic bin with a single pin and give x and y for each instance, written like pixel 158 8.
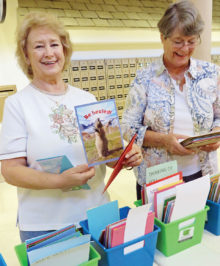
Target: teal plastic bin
pixel 115 256
pixel 213 223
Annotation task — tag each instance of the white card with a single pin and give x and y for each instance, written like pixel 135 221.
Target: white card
pixel 135 226
pixel 191 197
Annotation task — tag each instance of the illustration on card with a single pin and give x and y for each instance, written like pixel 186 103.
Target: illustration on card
pixel 100 131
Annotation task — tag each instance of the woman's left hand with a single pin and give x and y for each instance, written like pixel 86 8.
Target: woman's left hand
pixel 133 157
pixel 210 147
pixel 213 146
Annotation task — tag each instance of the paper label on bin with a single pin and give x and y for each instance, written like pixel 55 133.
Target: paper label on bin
pixel 186 223
pixel 133 247
pixel 186 234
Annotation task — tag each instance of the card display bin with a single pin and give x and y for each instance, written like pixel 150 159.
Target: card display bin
pixel 138 203
pixel 181 234
pixel 2 261
pixel 213 223
pixel 21 253
pixel 115 256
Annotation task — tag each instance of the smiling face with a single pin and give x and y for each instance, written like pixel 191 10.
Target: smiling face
pixel 178 49
pixel 45 53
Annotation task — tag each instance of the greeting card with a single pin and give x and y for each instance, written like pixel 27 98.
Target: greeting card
pixel 57 165
pixel 100 131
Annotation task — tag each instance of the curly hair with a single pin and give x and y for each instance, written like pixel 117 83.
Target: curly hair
pixel 33 20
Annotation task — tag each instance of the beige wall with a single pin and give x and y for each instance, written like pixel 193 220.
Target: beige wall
pixel 203 51
pixel 9 71
pixel 111 39
pixel 83 40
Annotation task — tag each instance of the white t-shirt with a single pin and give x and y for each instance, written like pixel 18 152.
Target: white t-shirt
pixel 183 124
pixel 38 125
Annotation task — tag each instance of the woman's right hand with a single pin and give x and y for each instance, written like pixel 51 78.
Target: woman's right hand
pixel 173 146
pixel 75 176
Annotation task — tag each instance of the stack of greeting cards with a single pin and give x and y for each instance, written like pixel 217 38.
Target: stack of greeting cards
pixel 172 199
pixel 62 247
pixel 214 193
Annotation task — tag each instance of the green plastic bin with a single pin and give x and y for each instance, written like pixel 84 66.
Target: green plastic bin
pixel 138 203
pixel 181 234
pixel 21 253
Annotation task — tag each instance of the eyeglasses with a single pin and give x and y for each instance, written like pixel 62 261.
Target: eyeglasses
pixel 181 43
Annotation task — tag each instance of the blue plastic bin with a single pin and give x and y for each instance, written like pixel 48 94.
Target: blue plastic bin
pixel 2 261
pixel 213 223
pixel 115 256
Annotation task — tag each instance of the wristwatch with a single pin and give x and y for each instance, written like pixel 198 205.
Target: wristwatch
pixel 2 10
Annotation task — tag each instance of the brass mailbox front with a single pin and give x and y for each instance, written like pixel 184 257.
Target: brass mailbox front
pixel 5 91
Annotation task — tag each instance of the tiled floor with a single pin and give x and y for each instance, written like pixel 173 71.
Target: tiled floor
pixel 122 189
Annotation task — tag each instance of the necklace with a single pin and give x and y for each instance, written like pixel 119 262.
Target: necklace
pixel 180 78
pixel 55 97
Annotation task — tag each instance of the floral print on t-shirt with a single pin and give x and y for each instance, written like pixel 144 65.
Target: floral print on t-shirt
pixel 64 123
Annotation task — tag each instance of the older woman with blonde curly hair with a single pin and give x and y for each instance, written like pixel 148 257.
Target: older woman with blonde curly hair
pixel 40 127
pixel 40 20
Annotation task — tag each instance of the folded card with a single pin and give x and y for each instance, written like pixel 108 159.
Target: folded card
pixel 59 164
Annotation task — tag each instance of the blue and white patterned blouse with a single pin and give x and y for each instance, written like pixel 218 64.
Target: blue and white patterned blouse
pixel 151 105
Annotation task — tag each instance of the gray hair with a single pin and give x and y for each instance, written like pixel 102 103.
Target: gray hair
pixel 182 15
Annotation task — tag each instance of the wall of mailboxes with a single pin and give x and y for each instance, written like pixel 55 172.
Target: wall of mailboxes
pixel 104 78
pixel 109 78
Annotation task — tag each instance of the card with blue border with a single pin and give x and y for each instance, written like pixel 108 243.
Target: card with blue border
pixel 100 131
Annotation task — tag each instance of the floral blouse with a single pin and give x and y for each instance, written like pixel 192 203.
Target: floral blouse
pixel 151 105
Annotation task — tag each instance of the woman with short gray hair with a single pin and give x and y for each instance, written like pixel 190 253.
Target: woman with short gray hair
pixel 174 98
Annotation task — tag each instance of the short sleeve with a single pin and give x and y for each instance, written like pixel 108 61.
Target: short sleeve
pixel 13 138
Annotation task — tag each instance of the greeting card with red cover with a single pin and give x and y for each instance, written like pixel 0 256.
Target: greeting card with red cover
pixel 118 166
